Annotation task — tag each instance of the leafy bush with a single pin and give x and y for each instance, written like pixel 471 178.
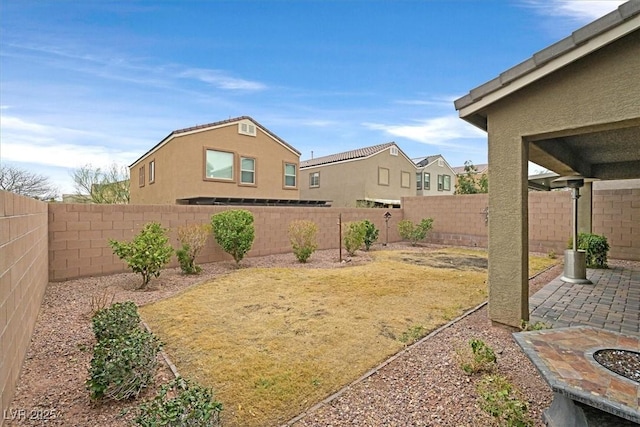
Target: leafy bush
pixel 193 237
pixel 123 366
pixel 370 233
pixel 180 403
pixel 147 253
pixel 234 232
pixel 500 400
pixel 117 320
pixel 302 235
pixel 414 232
pixel 478 358
pixel 353 237
pixel 596 248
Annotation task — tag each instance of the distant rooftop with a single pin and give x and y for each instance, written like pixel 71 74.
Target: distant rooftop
pixel 347 155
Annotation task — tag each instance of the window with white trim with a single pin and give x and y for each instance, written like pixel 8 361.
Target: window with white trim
pixel 152 171
pixel 219 165
pixel 247 170
pixel 314 179
pixel 289 175
pixel 447 183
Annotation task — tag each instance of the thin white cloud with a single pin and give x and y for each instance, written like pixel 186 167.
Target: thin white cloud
pixel 436 101
pixel 438 131
pixel 578 10
pixel 221 80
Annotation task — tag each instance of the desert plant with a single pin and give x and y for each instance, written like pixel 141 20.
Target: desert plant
pixel 180 403
pixel 478 357
pixel 100 302
pixel 353 236
pixel 499 399
pixel 192 237
pixel 302 235
pixel 234 232
pixel 414 232
pixel 370 233
pixel 596 248
pixel 147 253
pixel 123 366
pixel 117 320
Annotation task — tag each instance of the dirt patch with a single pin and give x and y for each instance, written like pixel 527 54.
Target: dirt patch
pixel 464 262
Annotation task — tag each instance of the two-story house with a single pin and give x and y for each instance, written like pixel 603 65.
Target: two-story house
pixel 434 176
pixel 378 175
pixel 235 161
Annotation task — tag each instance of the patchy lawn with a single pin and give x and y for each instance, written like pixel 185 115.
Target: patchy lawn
pixel 274 341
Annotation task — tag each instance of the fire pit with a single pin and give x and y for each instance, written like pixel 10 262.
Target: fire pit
pixel 586 393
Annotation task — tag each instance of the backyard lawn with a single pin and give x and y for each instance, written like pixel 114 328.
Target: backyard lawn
pixel 274 341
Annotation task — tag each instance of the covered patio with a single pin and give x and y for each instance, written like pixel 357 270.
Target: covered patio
pixel 574 109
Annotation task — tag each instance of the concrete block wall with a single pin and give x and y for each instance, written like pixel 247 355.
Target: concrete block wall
pixel 550 221
pixel 79 234
pixel 616 215
pixel 23 280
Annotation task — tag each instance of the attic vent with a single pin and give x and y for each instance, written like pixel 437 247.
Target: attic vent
pixel 245 128
pixel 393 151
pixel 440 163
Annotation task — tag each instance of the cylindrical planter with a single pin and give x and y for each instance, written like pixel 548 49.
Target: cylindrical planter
pixel 575 267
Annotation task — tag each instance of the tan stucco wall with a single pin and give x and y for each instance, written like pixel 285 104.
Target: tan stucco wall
pixel 592 91
pixel 179 168
pixel 345 182
pixel 23 280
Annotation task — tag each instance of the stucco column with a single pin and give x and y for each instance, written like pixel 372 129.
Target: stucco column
pixel 508 229
pixel 585 211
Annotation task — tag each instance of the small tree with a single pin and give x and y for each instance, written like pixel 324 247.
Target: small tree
pixel 234 232
pixel 414 232
pixel 147 253
pixel 353 238
pixel 370 233
pixel 25 183
pixel 102 186
pixel 470 182
pixel 193 237
pixel 302 235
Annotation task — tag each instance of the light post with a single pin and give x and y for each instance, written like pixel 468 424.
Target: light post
pixel 575 260
pixel 387 216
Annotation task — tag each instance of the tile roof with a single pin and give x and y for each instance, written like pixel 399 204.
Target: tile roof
pixel 216 124
pixel 424 161
pixel 625 12
pixel 347 155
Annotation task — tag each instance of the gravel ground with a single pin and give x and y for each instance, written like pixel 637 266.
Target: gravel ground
pixel 422 386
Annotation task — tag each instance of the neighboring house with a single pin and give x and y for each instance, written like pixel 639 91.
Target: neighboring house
pixel 379 175
pixel 434 176
pixel 235 161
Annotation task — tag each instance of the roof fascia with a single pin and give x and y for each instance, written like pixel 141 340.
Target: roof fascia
pixel 555 64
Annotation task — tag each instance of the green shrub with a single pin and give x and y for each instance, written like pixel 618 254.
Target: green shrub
pixel 499 399
pixel 180 403
pixel 147 253
pixel 413 334
pixel 302 235
pixel 414 232
pixel 193 237
pixel 123 366
pixel 370 233
pixel 596 248
pixel 234 232
pixel 117 320
pixel 479 357
pixel 353 237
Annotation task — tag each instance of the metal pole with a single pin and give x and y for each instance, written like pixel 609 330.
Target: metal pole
pixel 575 196
pixel 340 237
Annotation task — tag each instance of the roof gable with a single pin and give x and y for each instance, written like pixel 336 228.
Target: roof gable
pixel 359 153
pixel 214 125
pixel 582 42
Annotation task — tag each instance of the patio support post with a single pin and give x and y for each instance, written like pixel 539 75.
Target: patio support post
pixel 508 228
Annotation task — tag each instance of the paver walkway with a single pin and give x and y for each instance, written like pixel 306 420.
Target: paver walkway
pixel 612 302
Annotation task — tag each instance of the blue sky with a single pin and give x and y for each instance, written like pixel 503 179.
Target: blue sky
pixel 100 82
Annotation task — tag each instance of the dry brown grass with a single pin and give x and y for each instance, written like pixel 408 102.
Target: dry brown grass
pixel 274 341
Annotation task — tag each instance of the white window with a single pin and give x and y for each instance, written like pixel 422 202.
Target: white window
pixel 393 150
pixel 289 175
pixel 447 182
pixel 219 165
pixel 314 179
pixel 246 128
pixel 247 170
pixel 152 171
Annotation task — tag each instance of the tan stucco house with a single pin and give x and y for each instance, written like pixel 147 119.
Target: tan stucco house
pixel 434 176
pixel 572 108
pixel 379 175
pixel 235 161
